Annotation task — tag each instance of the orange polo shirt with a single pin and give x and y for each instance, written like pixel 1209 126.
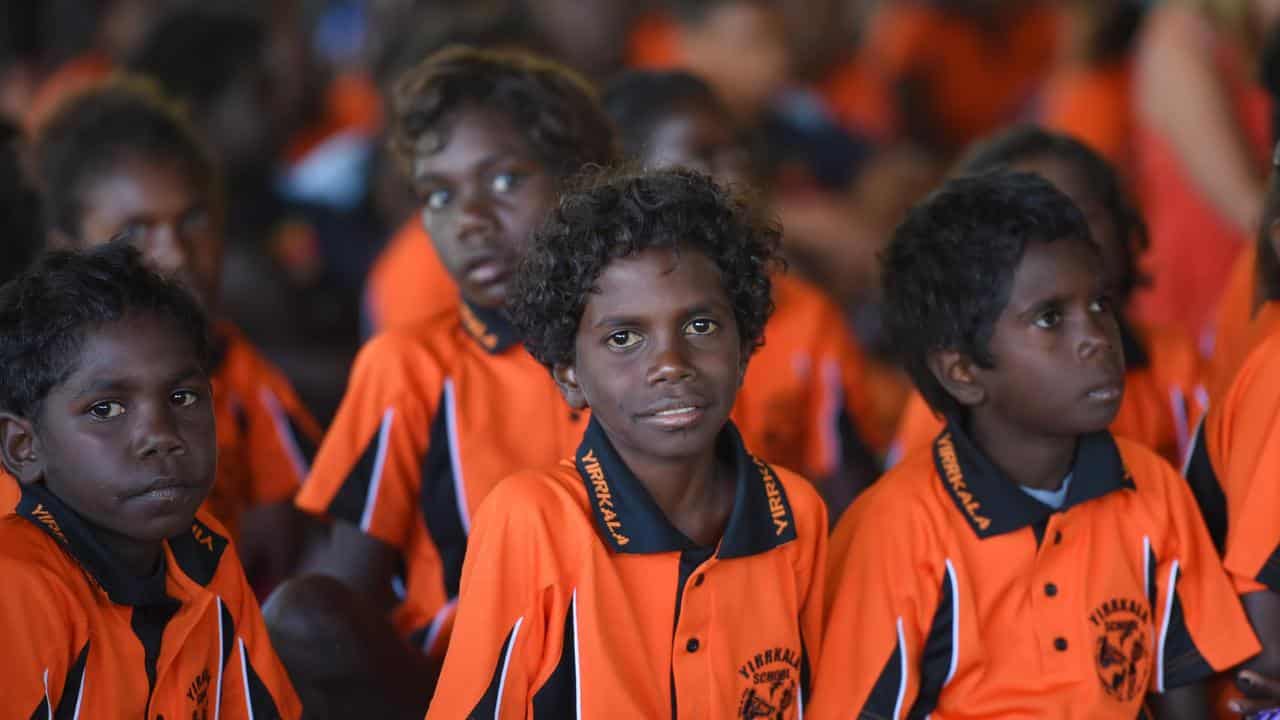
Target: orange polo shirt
pixel 954 593
pixel 1233 336
pixel 434 416
pixel 1163 397
pixel 407 283
pixel 1092 104
pixel 266 438
pixel 89 639
pixel 580 599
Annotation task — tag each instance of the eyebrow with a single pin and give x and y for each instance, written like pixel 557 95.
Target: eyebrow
pixel 99 385
pixel 624 319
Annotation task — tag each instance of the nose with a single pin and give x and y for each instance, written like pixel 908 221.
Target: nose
pixel 1097 335
pixel 671 364
pixel 475 215
pixel 157 434
pixel 166 249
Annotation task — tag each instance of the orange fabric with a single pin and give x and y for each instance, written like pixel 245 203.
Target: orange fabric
pixel 1242 439
pixel 653 43
pixel 805 391
pixel 265 436
pixel 859 99
pixel 1192 245
pixel 1233 321
pixel 408 283
pixel 73 76
pixel 952 593
pixel 91 634
pixel 352 104
pixel 580 599
pixel 974 83
pixel 1092 104
pixel 9 492
pixel 1162 404
pixel 430 422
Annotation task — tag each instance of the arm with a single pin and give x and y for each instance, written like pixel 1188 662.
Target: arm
pixel 1258 678
pixel 1180 93
pixel 1189 702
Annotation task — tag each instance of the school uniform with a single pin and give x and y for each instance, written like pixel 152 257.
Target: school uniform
pixel 580 599
pixel 953 592
pixel 87 639
pixel 434 416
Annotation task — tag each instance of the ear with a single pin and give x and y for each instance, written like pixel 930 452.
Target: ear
pixel 566 378
pixel 955 372
pixel 20 449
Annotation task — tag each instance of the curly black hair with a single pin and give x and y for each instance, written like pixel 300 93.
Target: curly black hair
pixel 94 130
pixel 621 213
pixel 556 109
pixel 949 268
pixel 1030 142
pixel 46 311
pixel 638 100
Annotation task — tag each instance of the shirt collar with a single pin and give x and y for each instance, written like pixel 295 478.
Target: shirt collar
pixel 1135 355
pixel 66 527
pixel 490 328
pixel 993 505
pixel 630 521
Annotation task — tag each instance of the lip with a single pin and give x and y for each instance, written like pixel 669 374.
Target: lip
pixel 1105 393
pixel 485 270
pixel 675 414
pixel 168 489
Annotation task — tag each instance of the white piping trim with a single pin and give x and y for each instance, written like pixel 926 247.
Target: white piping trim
pixel 217 687
pixel 1181 418
pixel 829 414
pixel 48 703
pixel 955 623
pixel 577 659
pixel 1146 568
pixel 1196 438
pixel 437 623
pixel 455 457
pixel 280 420
pixel 379 462
pixel 84 680
pixel 1164 626
pixel 902 685
pixel 244 673
pixel 506 665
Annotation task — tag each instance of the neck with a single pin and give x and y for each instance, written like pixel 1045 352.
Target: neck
pixel 138 557
pixel 1032 460
pixel 695 494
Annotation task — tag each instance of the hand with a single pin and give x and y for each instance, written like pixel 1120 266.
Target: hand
pixel 1263 695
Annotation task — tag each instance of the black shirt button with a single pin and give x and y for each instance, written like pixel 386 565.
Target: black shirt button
pixel 1060 644
pixel 697 580
pixel 692 645
pixel 1057 537
pixel 1050 589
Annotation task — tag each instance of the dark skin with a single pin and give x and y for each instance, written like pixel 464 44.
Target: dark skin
pixel 127 440
pixel 659 361
pixel 1059 373
pixel 701 137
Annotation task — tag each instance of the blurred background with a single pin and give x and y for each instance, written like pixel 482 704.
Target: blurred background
pixel 851 110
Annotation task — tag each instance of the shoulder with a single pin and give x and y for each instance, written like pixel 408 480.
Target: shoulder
pixel 901 503
pixel 807 506
pixel 244 366
pixel 538 501
pixel 1256 383
pixel 1156 481
pixel 202 552
pixel 423 352
pixel 35 569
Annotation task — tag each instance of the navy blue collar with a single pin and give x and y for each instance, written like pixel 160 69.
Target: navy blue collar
pixel 630 521
pixel 993 504
pixel 489 328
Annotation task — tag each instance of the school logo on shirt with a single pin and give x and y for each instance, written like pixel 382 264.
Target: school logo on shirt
pixel 604 497
pixel 1122 651
pixel 771 678
pixel 198 694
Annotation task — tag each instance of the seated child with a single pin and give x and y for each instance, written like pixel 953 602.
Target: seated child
pixel 1029 564
pixel 119 162
pixel 437 413
pixel 663 571
pixel 1163 385
pixel 1232 465
pixel 803 404
pixel 122 598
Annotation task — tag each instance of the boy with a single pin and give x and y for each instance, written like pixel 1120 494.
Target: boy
pixel 664 571
pixel 1029 562
pixel 1232 463
pixel 118 162
pixel 438 413
pixel 803 404
pixel 1163 373
pixel 122 598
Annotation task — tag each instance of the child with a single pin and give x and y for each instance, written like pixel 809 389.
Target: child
pixel 438 413
pixel 122 599
pixel 119 163
pixel 664 570
pixel 803 404
pixel 1030 563
pixel 1163 379
pixel 1232 464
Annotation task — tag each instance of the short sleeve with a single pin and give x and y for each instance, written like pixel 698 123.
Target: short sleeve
pixel 367 471
pixel 500 636
pixel 281 438
pixel 1201 625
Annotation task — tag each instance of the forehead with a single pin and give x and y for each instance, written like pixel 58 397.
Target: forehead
pixel 135 184
pixel 142 346
pixel 466 137
pixel 658 280
pixel 1061 267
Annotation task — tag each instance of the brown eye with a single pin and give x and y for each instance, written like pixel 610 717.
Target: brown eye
pixel 184 398
pixel 106 410
pixel 622 339
pixel 702 326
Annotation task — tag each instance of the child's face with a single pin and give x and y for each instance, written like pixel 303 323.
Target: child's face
pixel 484 194
pixel 697 137
pixel 1059 368
pixel 1115 250
pixel 658 356
pixel 128 439
pixel 156 207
